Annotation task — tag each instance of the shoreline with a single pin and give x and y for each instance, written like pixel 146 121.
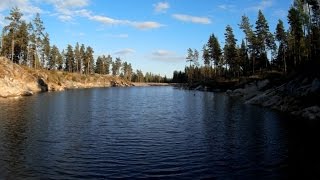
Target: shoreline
pixel 145 84
pixel 297 95
pixel 17 80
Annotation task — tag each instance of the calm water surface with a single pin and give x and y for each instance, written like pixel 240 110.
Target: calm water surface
pixel 145 132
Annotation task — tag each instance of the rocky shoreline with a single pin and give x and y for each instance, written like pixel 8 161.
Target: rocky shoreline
pixel 299 96
pixel 17 81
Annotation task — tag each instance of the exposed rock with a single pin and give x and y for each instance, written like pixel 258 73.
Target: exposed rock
pixel 237 92
pixel 291 97
pixel 273 101
pixel 27 93
pixel 312 113
pixel 229 92
pixel 250 90
pixel 315 86
pixel 16 80
pixel 43 85
pixel 201 88
pixel 262 84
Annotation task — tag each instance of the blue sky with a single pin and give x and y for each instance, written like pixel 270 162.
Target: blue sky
pixel 153 35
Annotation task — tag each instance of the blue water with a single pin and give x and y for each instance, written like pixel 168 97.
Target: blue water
pixel 140 132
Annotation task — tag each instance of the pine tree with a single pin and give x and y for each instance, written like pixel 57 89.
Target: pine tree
pixel 190 56
pixel 108 64
pixel 230 51
pixel 124 69
pixel 196 58
pixel 206 61
pixel 139 76
pixel 82 58
pixel 205 56
pixel 39 35
pixel 263 37
pixel 21 45
pixel 54 58
pixel 214 50
pixel 99 65
pixel 69 59
pixel 250 39
pixel 190 70
pixel 116 67
pixel 45 49
pixel 32 54
pixel 11 31
pixel 77 58
pixel 243 58
pixel 281 37
pixel 60 60
pixel 89 60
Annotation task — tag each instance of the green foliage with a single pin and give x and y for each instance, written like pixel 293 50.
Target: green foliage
pixel 77 58
pixel 29 44
pixel 89 60
pixel 116 67
pixel 103 64
pixel 179 77
pixel 250 38
pixel 127 71
pixel 214 50
pixel 296 48
pixel 230 51
pixel 12 43
pixel 54 57
pixel 138 76
pixel 69 56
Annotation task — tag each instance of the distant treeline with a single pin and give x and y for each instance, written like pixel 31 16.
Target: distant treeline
pixel 293 50
pixel 28 44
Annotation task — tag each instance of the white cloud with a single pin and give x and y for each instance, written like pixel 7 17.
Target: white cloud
pixel 25 6
pixel 161 7
pixel 65 18
pixel 139 25
pixel 67 9
pixel 193 19
pixel 125 51
pixel 83 13
pixel 146 25
pixel 106 20
pixel 166 55
pixel 264 4
pixel 117 35
pixel 226 7
pixel 162 52
pixel 68 4
pixel 66 14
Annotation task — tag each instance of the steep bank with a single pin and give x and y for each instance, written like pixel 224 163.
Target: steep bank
pixel 17 80
pixel 299 96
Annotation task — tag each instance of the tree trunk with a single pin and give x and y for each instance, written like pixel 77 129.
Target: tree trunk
pixel 77 65
pixel 12 49
pixel 284 60
pixel 88 69
pixel 253 63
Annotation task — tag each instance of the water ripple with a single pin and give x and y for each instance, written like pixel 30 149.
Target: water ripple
pixel 157 133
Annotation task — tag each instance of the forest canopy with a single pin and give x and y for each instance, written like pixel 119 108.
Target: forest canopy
pixel 294 49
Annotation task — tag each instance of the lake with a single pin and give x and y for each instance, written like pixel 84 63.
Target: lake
pixel 146 132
